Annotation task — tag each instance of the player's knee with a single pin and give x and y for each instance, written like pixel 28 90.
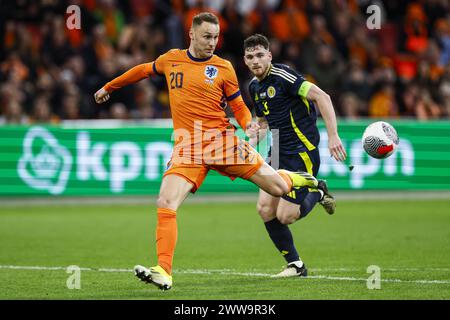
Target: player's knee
pixel 287 219
pixel 165 202
pixel 265 211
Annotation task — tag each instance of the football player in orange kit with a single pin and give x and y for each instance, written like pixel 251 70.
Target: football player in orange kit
pixel 204 138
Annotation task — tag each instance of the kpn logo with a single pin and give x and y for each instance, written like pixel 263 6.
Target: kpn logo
pixel 48 165
pixel 45 164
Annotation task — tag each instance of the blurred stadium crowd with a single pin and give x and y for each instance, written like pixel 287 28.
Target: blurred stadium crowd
pixel 49 73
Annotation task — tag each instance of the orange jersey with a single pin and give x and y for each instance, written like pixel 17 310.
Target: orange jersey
pixel 196 88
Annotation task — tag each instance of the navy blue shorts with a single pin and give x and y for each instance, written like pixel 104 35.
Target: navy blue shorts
pixel 308 161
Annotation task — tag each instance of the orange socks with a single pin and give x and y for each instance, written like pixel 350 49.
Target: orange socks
pixel 286 178
pixel 166 237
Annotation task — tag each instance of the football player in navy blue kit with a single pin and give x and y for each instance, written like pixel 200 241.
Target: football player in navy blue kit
pixel 286 104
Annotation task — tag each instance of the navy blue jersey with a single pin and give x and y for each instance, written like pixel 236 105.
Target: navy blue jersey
pixel 277 98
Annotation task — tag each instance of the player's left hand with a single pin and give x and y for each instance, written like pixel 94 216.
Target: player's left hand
pixel 252 130
pixel 336 148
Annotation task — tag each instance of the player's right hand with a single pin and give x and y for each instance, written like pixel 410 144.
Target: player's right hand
pixel 101 96
pixel 336 148
pixel 252 130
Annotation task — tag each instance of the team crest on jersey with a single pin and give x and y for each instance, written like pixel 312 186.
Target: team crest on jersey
pixel 211 72
pixel 271 92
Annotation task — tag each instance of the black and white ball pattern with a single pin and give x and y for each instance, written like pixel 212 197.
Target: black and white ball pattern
pixel 372 144
pixel 380 140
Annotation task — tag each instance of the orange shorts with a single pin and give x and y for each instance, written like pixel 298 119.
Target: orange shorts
pixel 232 158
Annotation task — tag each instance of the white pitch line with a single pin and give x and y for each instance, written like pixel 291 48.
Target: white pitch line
pixel 251 274
pixel 383 269
pixel 229 272
pixel 62 268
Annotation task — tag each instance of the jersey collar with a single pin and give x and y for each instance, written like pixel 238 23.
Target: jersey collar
pixel 197 59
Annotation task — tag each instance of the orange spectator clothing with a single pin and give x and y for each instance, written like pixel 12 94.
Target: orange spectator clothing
pixel 382 105
pixel 289 25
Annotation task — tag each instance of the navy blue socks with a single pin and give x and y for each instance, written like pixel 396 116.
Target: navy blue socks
pixel 282 238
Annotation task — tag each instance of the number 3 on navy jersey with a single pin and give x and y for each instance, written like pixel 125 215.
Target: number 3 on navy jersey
pixel 266 108
pixel 176 80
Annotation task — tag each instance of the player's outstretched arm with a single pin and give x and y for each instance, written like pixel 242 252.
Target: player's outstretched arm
pixel 325 105
pixel 133 75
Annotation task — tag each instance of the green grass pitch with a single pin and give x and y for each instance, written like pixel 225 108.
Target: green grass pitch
pixel 224 252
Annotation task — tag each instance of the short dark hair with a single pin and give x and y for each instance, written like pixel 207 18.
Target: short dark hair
pixel 204 17
pixel 256 40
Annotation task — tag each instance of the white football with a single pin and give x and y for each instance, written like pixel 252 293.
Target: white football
pixel 380 140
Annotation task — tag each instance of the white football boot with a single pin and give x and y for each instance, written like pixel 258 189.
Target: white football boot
pixel 293 269
pixel 155 275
